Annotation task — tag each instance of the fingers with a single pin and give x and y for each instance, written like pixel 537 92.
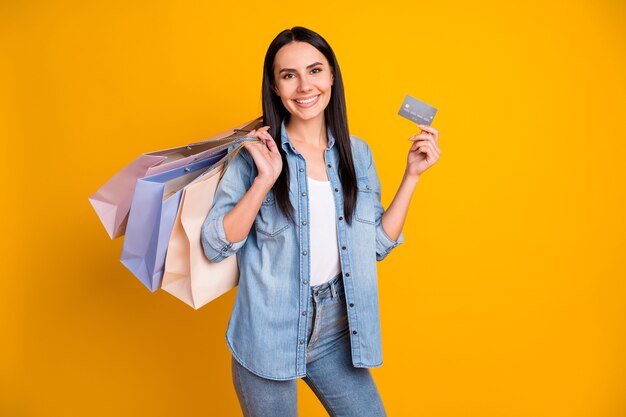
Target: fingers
pixel 269 140
pixel 431 131
pixel 425 151
pixel 269 144
pixel 428 129
pixel 425 136
pixel 425 147
pixel 421 146
pixel 258 132
pixel 259 153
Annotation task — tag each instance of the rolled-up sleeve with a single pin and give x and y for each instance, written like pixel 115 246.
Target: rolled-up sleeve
pixel 231 188
pixel 384 244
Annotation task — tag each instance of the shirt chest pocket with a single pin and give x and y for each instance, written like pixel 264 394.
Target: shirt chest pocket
pixel 365 208
pixel 270 221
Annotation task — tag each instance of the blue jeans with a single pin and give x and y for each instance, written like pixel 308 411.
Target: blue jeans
pixel 343 389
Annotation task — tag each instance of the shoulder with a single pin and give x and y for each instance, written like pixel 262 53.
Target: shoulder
pixel 360 149
pixel 241 168
pixel 243 159
pixel 361 155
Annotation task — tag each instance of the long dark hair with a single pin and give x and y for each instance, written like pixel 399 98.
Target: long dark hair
pixel 274 112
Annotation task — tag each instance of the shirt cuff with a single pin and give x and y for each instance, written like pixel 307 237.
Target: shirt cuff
pixel 384 244
pixel 216 246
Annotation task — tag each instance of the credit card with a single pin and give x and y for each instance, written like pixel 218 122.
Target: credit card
pixel 417 111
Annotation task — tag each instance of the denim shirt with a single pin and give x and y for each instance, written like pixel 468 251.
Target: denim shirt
pixel 267 328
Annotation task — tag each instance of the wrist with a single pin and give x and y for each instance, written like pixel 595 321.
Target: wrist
pixel 264 184
pixel 412 179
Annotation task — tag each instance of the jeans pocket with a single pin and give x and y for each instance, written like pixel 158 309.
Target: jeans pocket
pixel 311 323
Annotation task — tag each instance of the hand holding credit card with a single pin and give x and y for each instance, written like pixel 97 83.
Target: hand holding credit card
pixel 424 151
pixel 417 111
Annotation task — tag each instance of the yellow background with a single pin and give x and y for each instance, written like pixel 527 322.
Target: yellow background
pixel 507 298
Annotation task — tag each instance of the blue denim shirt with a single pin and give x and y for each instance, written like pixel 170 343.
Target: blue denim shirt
pixel 267 330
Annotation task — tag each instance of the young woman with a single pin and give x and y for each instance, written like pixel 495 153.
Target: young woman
pixel 303 214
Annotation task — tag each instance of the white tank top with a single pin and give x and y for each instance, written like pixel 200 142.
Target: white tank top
pixel 323 228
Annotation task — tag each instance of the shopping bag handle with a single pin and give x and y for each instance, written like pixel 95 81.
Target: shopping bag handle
pixel 228 139
pixel 231 155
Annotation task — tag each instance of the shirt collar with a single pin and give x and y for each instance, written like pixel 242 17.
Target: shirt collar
pixel 285 141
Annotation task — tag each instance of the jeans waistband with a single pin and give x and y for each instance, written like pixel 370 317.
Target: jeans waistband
pixel 332 287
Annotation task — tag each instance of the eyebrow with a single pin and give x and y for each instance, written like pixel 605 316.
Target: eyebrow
pixel 293 69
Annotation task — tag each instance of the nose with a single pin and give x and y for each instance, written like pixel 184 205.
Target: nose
pixel 304 85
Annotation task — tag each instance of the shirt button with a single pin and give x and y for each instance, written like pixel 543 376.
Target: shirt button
pixel 304 222
pixel 336 190
pixel 329 166
pixel 347 274
pixel 351 304
pixel 340 217
pixel 304 194
pixel 304 252
pixel 301 170
pixel 343 247
pixel 304 313
pixel 367 187
pixel 301 341
pixel 353 331
pixel 267 199
pixel 305 282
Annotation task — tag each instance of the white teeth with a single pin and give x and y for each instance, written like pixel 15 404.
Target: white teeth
pixel 307 101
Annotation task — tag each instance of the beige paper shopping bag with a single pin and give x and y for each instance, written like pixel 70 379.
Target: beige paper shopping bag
pixel 189 275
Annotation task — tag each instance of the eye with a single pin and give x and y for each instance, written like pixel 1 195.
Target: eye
pixel 290 73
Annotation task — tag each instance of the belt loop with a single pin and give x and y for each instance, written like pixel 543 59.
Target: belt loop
pixel 333 291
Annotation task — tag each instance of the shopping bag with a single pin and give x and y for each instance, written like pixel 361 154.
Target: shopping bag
pixel 189 275
pixel 151 218
pixel 112 201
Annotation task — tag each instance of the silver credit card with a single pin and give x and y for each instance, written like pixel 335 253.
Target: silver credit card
pixel 417 111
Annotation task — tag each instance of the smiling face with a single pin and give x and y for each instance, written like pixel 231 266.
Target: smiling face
pixel 302 79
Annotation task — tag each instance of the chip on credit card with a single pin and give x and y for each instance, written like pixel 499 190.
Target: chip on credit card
pixel 417 111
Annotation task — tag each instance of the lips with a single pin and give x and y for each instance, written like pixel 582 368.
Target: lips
pixel 308 101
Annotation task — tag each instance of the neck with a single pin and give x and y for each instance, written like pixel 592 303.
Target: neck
pixel 311 132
